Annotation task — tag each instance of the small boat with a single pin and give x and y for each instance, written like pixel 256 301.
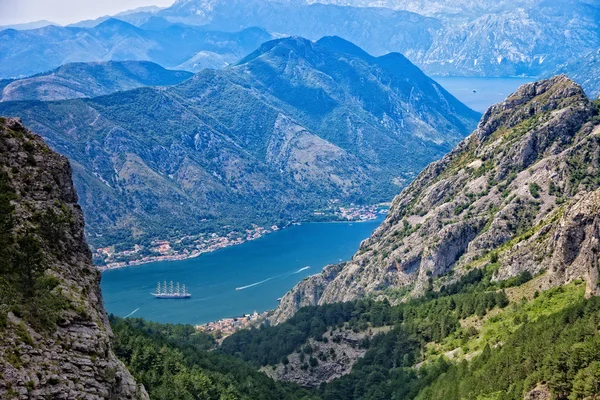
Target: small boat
pixel 171 292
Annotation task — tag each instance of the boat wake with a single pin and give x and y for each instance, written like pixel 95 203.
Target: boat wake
pixel 255 284
pixel 271 278
pixel 131 313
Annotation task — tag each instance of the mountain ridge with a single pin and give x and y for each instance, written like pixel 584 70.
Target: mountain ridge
pixel 79 80
pixel 50 47
pixel 475 208
pixel 530 38
pixel 310 124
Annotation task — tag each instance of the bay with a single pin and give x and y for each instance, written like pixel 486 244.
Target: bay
pixel 480 93
pixel 265 269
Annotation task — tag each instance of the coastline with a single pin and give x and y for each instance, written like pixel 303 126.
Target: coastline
pixel 178 256
pixel 214 243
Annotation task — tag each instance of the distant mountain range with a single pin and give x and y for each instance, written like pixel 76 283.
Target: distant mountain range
pixel 79 80
pixel 443 37
pixel 480 38
pixel 289 128
pixel 24 53
pixel 28 25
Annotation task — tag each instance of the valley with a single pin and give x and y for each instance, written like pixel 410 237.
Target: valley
pixel 242 148
pixel 300 200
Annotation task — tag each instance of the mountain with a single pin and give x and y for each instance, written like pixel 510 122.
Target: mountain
pixel 378 31
pixel 79 80
pixel 529 41
pixel 518 195
pixel 28 25
pixel 294 127
pixel 585 70
pixel 437 8
pixel 55 338
pixel 502 304
pixel 24 53
pixel 461 38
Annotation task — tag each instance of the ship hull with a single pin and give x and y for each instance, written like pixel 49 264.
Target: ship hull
pixel 171 296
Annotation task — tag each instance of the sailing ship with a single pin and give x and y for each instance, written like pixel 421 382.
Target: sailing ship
pixel 171 291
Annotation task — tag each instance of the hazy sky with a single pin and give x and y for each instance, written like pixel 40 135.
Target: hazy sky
pixel 67 11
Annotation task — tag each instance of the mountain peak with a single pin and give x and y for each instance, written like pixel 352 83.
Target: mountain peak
pixel 114 23
pixel 342 45
pixel 529 100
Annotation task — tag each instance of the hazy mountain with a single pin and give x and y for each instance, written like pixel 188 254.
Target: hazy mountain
pixel 437 8
pixel 529 41
pixel 291 127
pixel 482 38
pixel 515 193
pixel 24 53
pixel 585 70
pixel 28 25
pixel 379 31
pixel 79 80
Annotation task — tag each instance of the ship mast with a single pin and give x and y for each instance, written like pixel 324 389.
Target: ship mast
pixel 158 288
pixel 184 292
pixel 171 288
pixel 164 287
pixel 178 293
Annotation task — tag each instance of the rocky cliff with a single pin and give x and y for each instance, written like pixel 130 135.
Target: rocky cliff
pixel 519 194
pixel 54 332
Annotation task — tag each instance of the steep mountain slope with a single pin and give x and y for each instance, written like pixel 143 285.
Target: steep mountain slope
pixel 79 80
pixel 54 331
pixel 24 53
pixel 290 128
pixel 529 41
pixel 585 70
pixel 512 197
pixel 482 38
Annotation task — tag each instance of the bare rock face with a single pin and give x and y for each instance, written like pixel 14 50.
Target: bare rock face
pixel 54 332
pixel 519 194
pixel 540 392
pixel 331 359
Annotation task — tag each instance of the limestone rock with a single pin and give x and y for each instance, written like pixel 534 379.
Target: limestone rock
pixel 520 192
pixel 71 357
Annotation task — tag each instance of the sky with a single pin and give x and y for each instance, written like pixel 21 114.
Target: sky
pixel 67 11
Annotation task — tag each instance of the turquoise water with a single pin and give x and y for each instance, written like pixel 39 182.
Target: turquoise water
pixel 267 268
pixel 489 91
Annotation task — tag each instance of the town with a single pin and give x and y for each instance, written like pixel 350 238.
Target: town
pixel 191 246
pixel 227 326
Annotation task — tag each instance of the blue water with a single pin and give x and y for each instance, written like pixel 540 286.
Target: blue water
pixel 265 268
pixel 489 91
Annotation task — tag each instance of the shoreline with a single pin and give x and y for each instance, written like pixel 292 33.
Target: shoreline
pixel 198 253
pixel 175 257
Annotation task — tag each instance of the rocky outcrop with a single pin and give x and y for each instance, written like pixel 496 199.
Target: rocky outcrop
pixel 540 392
pixel 520 194
pixel 55 339
pixel 322 361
